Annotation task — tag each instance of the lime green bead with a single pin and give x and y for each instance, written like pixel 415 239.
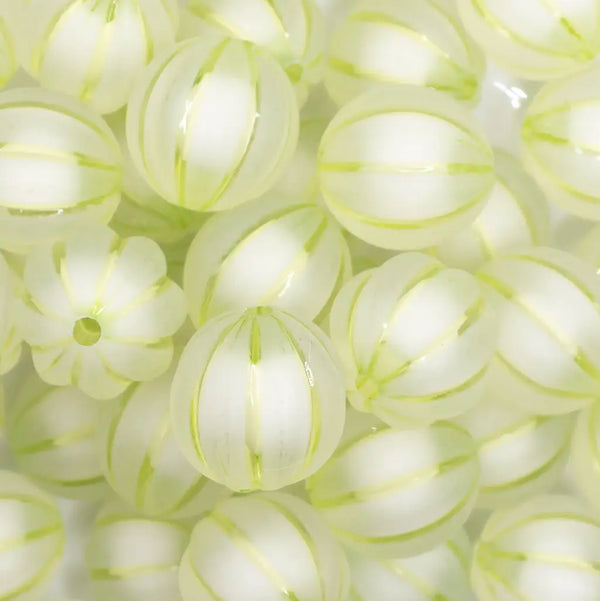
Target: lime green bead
pixel 10 339
pixel 586 454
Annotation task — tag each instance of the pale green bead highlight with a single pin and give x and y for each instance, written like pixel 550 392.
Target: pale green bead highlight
pixel 404 167
pixel 585 454
pixel 268 546
pixel 10 338
pixel 548 353
pixel 258 400
pixel 212 123
pixel 384 43
pixel 99 311
pixel 546 548
pixel 31 539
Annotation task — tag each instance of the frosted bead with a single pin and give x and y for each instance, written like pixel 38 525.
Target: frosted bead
pixel 94 50
pixel 76 160
pixel 546 548
pixel 130 557
pixel 263 547
pixel 386 42
pixel 31 539
pixel 258 401
pixel 299 247
pixel 10 339
pixel 548 353
pixel 535 39
pixel 8 56
pixel 52 436
pixel 212 124
pixel 521 455
pixel 99 311
pixel 516 215
pixel 416 339
pixel 585 456
pixel 560 148
pixel 405 167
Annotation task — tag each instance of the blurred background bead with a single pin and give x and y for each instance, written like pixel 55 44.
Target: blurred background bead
pixel 588 247
pixel 10 338
pixel 366 256
pixel 8 31
pixel 586 454
pixel 263 547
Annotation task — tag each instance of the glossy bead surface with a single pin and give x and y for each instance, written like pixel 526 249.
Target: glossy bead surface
pixel 586 454
pixel 10 339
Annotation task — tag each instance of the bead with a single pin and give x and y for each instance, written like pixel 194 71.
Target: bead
pixel 548 354
pixel 585 454
pixel 386 42
pixel 416 339
pixel 31 539
pixel 99 311
pixel 300 249
pixel 535 39
pixel 559 137
pixel 258 401
pixel 130 557
pixel 365 256
pixel 76 160
pixel 588 248
pixel 405 167
pixel 8 56
pixel 94 50
pixel 263 547
pixel 516 215
pixel 10 339
pixel 546 548
pixel 212 124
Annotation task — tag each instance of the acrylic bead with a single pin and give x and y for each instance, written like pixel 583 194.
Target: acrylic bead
pixel 212 124
pixel 405 167
pixel 535 39
pixel 302 256
pixel 76 160
pixel 516 216
pixel 8 55
pixel 10 339
pixel 548 353
pixel 94 50
pixel 263 547
pixel 547 548
pixel 31 539
pixel 258 400
pixel 415 338
pixel 396 493
pixel 99 311
pixel 387 42
pixel 585 454
pixel 588 248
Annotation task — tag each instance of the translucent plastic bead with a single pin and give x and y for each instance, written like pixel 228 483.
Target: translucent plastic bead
pixel 213 123
pixel 387 42
pixel 99 311
pixel 8 55
pixel 76 160
pixel 397 493
pixel 94 50
pixel 548 354
pixel 547 548
pixel 299 247
pixel 130 557
pixel 516 216
pixel 560 143
pixel 52 436
pixel 416 339
pixel 586 454
pixel 10 339
pixel 405 167
pixel 31 539
pixel 263 547
pixel 535 39
pixel 258 400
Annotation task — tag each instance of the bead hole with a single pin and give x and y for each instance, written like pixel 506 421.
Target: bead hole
pixel 86 331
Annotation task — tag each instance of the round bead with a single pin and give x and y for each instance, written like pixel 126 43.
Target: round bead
pixel 212 124
pixel 130 557
pixel 546 548
pixel 405 167
pixel 10 339
pixel 31 539
pixel 99 311
pixel 76 160
pixel 263 547
pixel 94 50
pixel 8 56
pixel 397 493
pixel 535 39
pixel 299 247
pixel 559 143
pixel 548 353
pixel 386 42
pixel 258 401
pixel 585 454
pixel 516 215
pixel 416 339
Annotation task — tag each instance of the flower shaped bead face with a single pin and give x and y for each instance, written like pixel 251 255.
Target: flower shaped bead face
pixel 99 311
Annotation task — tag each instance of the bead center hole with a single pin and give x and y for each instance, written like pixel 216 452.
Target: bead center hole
pixel 86 331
